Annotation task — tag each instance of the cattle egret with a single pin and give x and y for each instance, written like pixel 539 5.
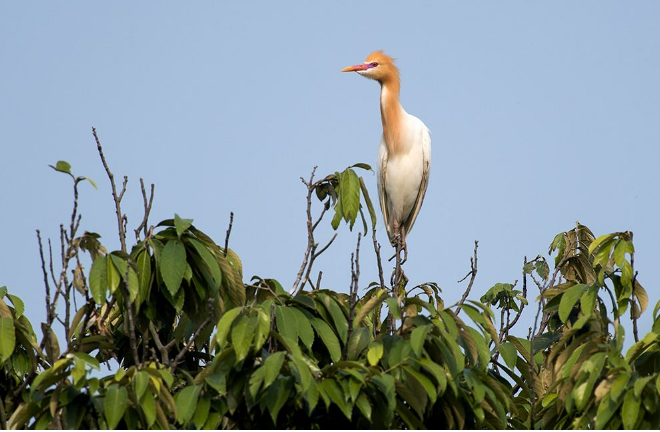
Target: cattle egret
pixel 404 155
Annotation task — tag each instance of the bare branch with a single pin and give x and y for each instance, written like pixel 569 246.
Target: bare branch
pixel 353 289
pixel 378 259
pixel 194 336
pixel 472 274
pixel 318 281
pixel 164 355
pixel 147 209
pixel 310 232
pixel 122 222
pixel 231 222
pixel 131 324
pixel 117 198
pixel 634 310
pixel 324 248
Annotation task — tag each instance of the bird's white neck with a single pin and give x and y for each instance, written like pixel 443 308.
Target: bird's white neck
pixel 392 116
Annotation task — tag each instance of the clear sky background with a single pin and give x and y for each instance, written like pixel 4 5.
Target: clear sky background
pixel 541 113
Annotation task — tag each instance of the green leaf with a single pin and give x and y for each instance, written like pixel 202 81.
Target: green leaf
pixel 362 402
pixel 272 367
pixel 263 328
pixel 338 317
pixel 210 261
pixel 287 324
pixel 242 334
pixel 173 265
pixel 304 375
pixel 542 269
pixel 418 337
pixel 375 353
pixel 358 342
pixel 62 166
pixel 276 397
pixel 602 256
pixel 19 306
pixel 181 225
pixel 438 372
pixel 619 385
pixel 588 300
pixel 337 217
pixel 132 283
pixel 115 404
pixel 305 331
pixel 385 384
pixel 336 394
pixel 568 300
pixel 640 384
pixel 224 325
pixel 547 400
pixel 423 381
pixel 606 409
pixel 395 308
pixel 620 249
pixel 186 402
pixel 148 406
pixel 509 354
pixel 370 305
pixel 140 383
pixel 87 359
pixel 349 195
pixel 370 206
pixel 7 338
pixel 113 274
pixel 630 410
pixel 144 275
pixel 98 279
pixel 202 412
pixel 328 337
pixel 594 244
pixel 362 165
pixel 93 183
pixel 641 296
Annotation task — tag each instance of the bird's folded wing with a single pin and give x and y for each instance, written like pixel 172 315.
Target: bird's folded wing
pixel 382 193
pixel 426 154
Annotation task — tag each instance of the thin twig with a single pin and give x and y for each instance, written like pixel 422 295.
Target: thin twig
pixel 122 222
pixel 472 274
pixel 324 248
pixel 318 281
pixel 147 210
pixel 187 346
pixel 378 259
pixel 310 232
pixel 634 310
pixel 164 350
pixel 117 198
pixel 355 276
pixel 231 222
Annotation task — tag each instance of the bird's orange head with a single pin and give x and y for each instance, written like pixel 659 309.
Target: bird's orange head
pixel 378 66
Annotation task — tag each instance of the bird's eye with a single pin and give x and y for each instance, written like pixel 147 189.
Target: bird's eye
pixel 374 64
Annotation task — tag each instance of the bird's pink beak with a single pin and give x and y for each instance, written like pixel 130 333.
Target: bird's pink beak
pixel 357 68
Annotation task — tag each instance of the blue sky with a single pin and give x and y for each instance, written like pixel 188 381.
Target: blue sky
pixel 541 114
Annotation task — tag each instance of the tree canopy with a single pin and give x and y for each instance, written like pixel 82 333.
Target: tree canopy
pixel 194 345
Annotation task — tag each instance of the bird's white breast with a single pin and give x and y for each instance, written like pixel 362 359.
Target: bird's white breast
pixel 405 169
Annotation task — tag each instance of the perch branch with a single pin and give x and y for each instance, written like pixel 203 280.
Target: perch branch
pixel 472 274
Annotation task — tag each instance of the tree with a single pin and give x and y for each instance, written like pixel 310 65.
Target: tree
pixel 195 346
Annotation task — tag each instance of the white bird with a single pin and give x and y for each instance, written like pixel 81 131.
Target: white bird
pixel 404 156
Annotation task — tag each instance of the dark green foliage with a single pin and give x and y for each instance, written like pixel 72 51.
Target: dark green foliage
pixel 199 348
